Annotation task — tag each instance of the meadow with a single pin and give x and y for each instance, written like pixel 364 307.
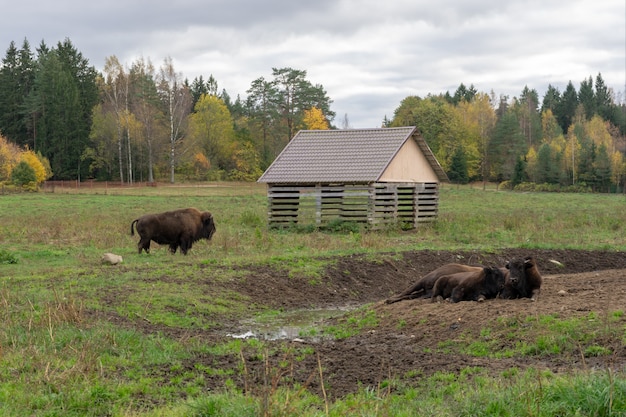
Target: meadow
pixel 61 356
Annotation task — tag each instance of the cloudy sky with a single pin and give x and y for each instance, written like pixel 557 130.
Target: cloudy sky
pixel 367 54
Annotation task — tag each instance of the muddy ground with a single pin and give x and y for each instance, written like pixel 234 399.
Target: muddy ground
pixel 406 340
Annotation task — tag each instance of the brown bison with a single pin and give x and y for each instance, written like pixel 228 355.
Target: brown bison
pixel 523 279
pixel 423 287
pixel 174 228
pixel 478 285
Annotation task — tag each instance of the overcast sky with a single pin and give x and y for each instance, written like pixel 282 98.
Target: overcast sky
pixel 367 54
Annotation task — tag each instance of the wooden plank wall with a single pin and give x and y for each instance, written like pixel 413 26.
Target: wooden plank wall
pixel 379 205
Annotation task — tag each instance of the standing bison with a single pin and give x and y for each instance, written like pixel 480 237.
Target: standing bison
pixel 174 228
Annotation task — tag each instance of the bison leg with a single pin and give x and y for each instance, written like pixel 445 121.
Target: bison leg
pixel 436 296
pixel 405 296
pixel 173 248
pixel 184 248
pixel 144 244
pixel 535 294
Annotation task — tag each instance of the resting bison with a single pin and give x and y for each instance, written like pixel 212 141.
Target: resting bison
pixel 523 279
pixel 423 287
pixel 469 286
pixel 174 228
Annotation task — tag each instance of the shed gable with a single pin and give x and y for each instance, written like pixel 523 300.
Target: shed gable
pixel 409 165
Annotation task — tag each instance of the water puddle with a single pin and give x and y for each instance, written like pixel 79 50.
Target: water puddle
pixel 289 325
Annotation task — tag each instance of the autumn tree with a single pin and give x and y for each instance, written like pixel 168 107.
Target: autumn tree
pixel 526 109
pixel 479 118
pixel 295 94
pixel 115 89
pixel 176 99
pixel 33 160
pixel 211 128
pixel 9 158
pixel 439 123
pixel 22 166
pixel 146 109
pixel 102 152
pixel 314 119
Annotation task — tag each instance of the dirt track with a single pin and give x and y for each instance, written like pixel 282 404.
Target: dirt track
pixel 409 332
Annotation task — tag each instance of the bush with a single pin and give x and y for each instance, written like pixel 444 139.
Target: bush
pixel 550 188
pixel 505 185
pixel 24 175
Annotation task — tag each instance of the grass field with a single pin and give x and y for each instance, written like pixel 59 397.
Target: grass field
pixel 83 223
pixel 59 361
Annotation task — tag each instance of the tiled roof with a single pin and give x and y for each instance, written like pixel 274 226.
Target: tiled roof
pixel 348 155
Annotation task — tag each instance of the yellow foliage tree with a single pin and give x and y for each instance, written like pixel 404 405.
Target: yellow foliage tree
pixel 598 130
pixel 9 158
pixel 33 161
pixel 201 164
pixel 531 164
pixel 618 168
pixel 211 127
pixel 314 119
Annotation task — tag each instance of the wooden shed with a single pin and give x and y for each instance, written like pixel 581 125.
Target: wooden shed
pixel 380 177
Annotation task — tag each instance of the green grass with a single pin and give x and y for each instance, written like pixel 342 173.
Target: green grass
pixel 56 360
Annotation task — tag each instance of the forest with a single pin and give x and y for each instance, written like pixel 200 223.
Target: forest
pixel 62 119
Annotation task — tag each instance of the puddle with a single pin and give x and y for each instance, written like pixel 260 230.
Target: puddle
pixel 290 325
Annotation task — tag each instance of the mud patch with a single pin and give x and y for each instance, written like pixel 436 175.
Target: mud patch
pixel 404 342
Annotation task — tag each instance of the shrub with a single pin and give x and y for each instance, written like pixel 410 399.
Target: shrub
pixel 39 168
pixel 24 175
pixel 506 185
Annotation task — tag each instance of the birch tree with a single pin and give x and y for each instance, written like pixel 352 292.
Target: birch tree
pixel 116 92
pixel 145 105
pixel 177 101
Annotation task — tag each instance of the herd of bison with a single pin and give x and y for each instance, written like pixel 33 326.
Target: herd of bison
pixel 422 299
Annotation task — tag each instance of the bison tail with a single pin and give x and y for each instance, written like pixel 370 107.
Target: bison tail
pixel 132 230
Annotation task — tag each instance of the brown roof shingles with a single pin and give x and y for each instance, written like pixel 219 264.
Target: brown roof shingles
pixel 351 155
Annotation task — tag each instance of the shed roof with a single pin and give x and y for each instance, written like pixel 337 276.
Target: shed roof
pixel 347 155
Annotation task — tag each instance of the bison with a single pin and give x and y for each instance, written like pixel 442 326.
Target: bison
pixel 523 279
pixel 174 228
pixel 423 287
pixel 479 285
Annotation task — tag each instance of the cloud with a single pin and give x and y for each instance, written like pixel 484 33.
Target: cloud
pixel 367 54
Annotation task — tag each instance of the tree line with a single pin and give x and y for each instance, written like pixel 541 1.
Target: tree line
pixel 140 122
pixel 574 139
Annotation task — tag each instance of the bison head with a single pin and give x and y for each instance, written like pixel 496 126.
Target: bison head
pixel 208 225
pixel 517 269
pixel 495 276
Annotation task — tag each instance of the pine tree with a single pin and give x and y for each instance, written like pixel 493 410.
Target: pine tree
pixel 458 167
pixel 519 172
pixel 587 98
pixel 16 83
pixel 566 109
